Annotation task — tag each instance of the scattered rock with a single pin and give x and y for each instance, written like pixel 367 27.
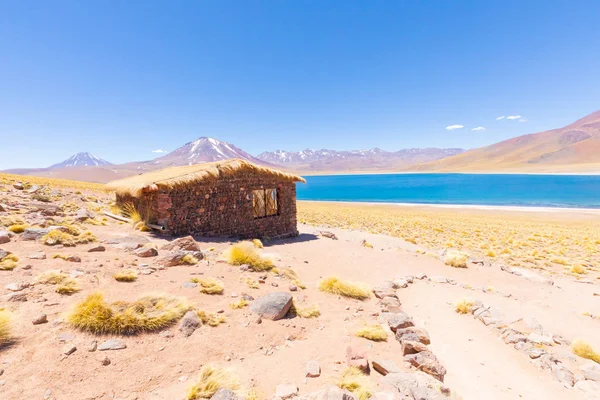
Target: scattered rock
pixel 328 235
pixel 146 252
pixel 4 237
pixel 563 375
pixel 97 249
pixel 357 357
pixel 112 344
pixel 439 279
pixel 591 371
pixel 286 390
pixel 18 186
pixel 75 259
pixel 69 349
pixel 189 323
pixel 332 392
pixel 17 286
pixel 17 297
pixel 189 285
pixel 313 369
pixel 427 362
pixel 412 347
pixel 540 339
pixel 106 361
pixel 34 233
pixel 535 353
pixel 273 306
pixel 40 255
pixel 41 319
pixel 591 388
pixel 83 214
pixel 184 243
pixel 92 346
pixel 175 258
pixel 413 333
pixel 400 321
pixel 382 292
pixel 385 367
pixel 225 394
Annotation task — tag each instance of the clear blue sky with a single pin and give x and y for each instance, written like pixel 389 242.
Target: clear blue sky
pixel 123 78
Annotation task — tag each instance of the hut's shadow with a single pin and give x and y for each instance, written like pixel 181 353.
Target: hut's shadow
pixel 303 237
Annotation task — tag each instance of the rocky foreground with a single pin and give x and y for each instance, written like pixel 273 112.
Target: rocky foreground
pixel 423 330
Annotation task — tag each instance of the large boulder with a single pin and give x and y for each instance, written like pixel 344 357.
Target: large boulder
pixel 34 233
pixel 273 306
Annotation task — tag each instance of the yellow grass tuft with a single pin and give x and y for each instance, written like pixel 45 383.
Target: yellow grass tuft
pixel 5 331
pixel 373 332
pixel 18 228
pixel 68 286
pixel 209 286
pixel 252 284
pixel 585 350
pixel 578 269
pixel 366 244
pixel 189 259
pixel 559 260
pixel 354 290
pixel 455 258
pixel 212 379
pixel 245 253
pixel 462 306
pixel 355 381
pixel 241 303
pixel 257 243
pixel 146 314
pixel 125 276
pixel 305 312
pixel 9 262
pixel 490 253
pixel 210 319
pixel 67 238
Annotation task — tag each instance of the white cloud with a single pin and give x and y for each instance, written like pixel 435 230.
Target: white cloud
pixel 479 128
pixel 499 118
pixel 522 120
pixel 513 117
pixel 159 151
pixel 453 127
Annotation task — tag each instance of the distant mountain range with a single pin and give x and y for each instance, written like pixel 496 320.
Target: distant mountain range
pixel 574 148
pixel 374 159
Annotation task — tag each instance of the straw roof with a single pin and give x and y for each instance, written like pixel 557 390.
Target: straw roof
pixel 189 174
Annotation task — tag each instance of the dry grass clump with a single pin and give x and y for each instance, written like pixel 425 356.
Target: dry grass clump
pixel 189 259
pixel 210 319
pixel 5 332
pixel 71 238
pixel 245 253
pixel 68 287
pixel 146 314
pixel 366 244
pixel 578 269
pixel 305 312
pixel 373 332
pixel 9 262
pixel 212 379
pixel 257 243
pixel 356 382
pixel 65 284
pixel 125 276
pixel 137 220
pixel 209 285
pixel 241 303
pixel 354 290
pixel 18 228
pixel 463 306
pixel 455 258
pixel 252 284
pixel 585 350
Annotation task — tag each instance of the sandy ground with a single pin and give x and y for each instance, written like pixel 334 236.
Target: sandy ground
pixel 163 365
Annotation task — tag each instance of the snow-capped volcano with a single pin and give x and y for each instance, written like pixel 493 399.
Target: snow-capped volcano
pixel 83 159
pixel 205 149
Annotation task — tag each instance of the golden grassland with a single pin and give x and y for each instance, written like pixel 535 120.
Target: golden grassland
pixel 556 241
pixel 55 183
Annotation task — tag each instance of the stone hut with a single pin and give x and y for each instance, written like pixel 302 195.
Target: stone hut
pixel 223 198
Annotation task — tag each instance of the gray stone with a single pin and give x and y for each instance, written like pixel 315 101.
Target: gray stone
pixel 97 249
pixel 332 393
pixel 40 255
pixel 41 319
pixel 563 375
pixel 189 285
pixel 92 346
pixel 112 344
pixel 17 286
pixel 69 349
pixel 412 347
pixel 591 371
pixel 138 239
pixel 385 367
pixel 535 353
pixel 17 297
pixel 413 333
pixel 4 237
pixel 189 323
pixel 439 279
pixel 540 339
pixel 590 388
pixel 225 394
pixel 83 214
pixel 417 385
pixel 146 252
pixel 286 390
pixel 34 233
pixel 176 258
pixel 382 292
pixel 400 321
pixel 184 243
pixel 400 283
pixel 66 337
pixel 273 306
pixel 313 369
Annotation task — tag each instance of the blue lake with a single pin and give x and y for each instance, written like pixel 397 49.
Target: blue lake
pixel 579 191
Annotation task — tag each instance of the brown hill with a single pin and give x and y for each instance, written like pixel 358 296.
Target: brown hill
pixel 573 148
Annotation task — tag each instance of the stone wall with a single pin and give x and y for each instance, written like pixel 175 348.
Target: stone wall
pixel 222 207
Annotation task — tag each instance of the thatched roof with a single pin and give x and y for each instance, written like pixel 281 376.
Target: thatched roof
pixel 189 174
